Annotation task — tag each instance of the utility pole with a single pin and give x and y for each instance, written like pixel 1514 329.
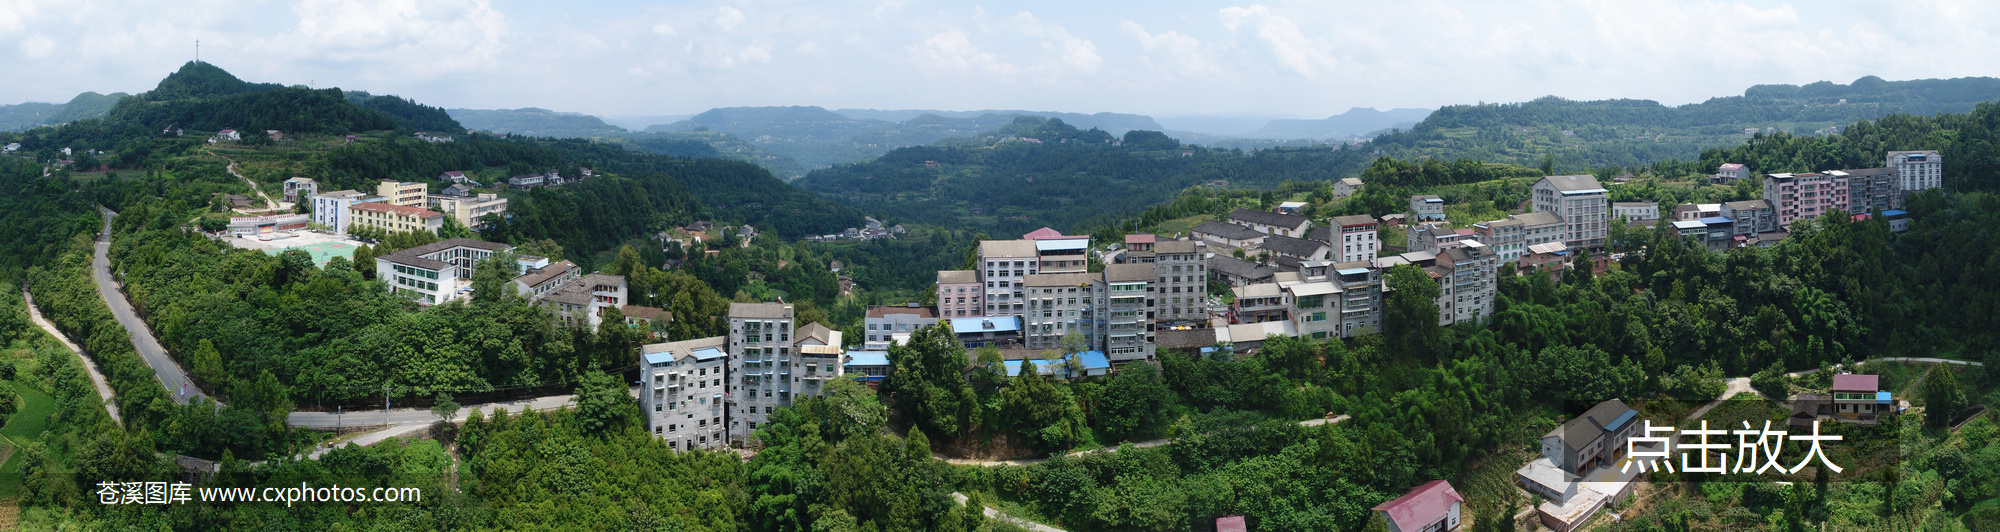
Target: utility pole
pixel 385 403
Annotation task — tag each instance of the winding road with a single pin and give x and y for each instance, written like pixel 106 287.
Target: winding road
pixel 164 367
pixel 90 366
pixel 268 204
pixel 1136 445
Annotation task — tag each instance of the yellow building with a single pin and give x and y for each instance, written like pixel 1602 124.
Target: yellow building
pixel 394 218
pixel 402 193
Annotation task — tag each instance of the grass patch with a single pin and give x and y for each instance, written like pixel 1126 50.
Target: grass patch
pixel 25 426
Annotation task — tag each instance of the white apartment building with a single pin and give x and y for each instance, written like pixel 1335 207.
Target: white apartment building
pixel 760 361
pixel 683 390
pixel 1180 269
pixel 1003 265
pixel 1581 203
pixel 329 209
pixel 1063 303
pixel 1426 208
pixel 818 358
pixel 885 325
pixel 1918 170
pixel 1633 211
pixel 1129 307
pixel 1470 285
pixel 582 302
pixel 467 210
pixel 1356 238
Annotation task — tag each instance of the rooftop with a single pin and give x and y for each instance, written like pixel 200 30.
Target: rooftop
pixel 1176 246
pixel 1238 267
pixel 1574 184
pixel 680 350
pixel 546 273
pixel 1350 221
pixel 1184 339
pixel 645 313
pixel 776 311
pixel 1856 383
pixel 1007 248
pixel 957 277
pixel 885 311
pixel 1121 273
pixel 867 358
pixel 1043 233
pixel 1296 247
pixel 1268 218
pixel 987 324
pixel 1351 181
pixel 1609 415
pixel 1227 230
pixel 1059 279
pixel 1421 506
pixel 1140 238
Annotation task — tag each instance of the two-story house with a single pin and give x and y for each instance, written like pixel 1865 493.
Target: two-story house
pixel 1595 438
pixel 1431 507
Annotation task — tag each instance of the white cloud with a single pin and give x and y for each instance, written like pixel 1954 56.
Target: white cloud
pixel 1305 56
pixel 1184 52
pixel 427 36
pixel 951 50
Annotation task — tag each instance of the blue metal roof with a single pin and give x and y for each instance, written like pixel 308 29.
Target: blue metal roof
pixel 867 358
pixel 1884 398
pixel 1352 271
pixel 1622 419
pixel 707 353
pixel 1895 212
pixel 1092 361
pixel 1584 191
pixel 972 325
pixel 1717 220
pixel 662 357
pixel 1062 244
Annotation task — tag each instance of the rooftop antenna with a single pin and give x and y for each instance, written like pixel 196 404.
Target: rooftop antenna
pixel 197 50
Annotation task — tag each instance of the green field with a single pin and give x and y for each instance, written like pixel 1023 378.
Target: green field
pixel 25 426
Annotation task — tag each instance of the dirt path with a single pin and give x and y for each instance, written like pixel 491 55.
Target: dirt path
pixel 268 204
pixel 995 514
pixel 1736 386
pixel 90 366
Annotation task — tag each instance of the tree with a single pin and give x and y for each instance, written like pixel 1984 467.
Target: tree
pixel 1411 322
pixel 453 229
pixel 493 278
pixel 1942 397
pixel 444 406
pixel 928 384
pixel 1135 403
pixel 601 403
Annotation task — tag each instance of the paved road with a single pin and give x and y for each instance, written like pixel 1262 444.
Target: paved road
pixel 164 367
pixel 1921 360
pixel 1135 445
pixel 1736 386
pixel 96 377
pixel 417 416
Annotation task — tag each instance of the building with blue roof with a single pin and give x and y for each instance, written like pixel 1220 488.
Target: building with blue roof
pixel 995 331
pixel 682 391
pixel 868 367
pixel 1095 364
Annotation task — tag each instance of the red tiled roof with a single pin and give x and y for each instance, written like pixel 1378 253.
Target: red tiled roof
pixel 1422 506
pixel 398 209
pixel 1140 239
pixel 1857 383
pixel 1042 234
pixel 1232 523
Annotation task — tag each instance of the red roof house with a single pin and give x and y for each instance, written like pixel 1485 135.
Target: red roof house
pixel 1432 507
pixel 1232 523
pixel 1043 234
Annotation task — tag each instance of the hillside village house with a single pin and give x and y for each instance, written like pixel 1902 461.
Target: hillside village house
pixel 300 187
pixel 582 302
pixel 1426 208
pixel 1346 187
pixel 1633 211
pixel 1871 189
pixel 394 218
pixel 1238 272
pixel 1851 398
pixel 534 283
pixel 1808 195
pixel 959 294
pixel 1731 173
pixel 1003 264
pixel 1582 449
pixel 1512 237
pixel 1431 507
pixel 885 325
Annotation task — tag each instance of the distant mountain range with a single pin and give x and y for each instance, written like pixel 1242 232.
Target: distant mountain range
pixel 1356 122
pixel 27 115
pixel 535 122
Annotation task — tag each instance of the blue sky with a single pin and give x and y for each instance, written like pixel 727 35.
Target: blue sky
pixel 1163 58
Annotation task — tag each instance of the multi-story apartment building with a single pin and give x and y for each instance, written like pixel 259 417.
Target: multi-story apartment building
pixel 394 218
pixel 1287 252
pixel 1751 217
pixel 1470 285
pixel 959 294
pixel 1436 238
pixel 1313 301
pixel 1128 308
pixel 433 273
pixel 538 282
pixel 760 361
pixel 1360 297
pixel 1259 303
pixel 1696 211
pixel 1426 208
pixel 1917 171
pixel 1180 270
pixel 883 325
pixel 1356 236
pixel 1510 238
pixel 1063 303
pixel 1805 196
pixel 1272 223
pixel 467 210
pixel 406 194
pixel 1063 255
pixel 1581 203
pixel 683 390
pixel 1871 189
pixel 1003 265
pixel 329 209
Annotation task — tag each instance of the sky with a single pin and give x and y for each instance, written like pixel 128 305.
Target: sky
pixel 1158 57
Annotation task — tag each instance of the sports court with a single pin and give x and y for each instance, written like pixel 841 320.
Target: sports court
pixel 322 251
pixel 322 246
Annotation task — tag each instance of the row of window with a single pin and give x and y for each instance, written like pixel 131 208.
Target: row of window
pixel 413 283
pixel 415 272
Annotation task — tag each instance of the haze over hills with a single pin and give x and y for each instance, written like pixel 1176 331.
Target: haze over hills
pixel 26 115
pixel 534 121
pixel 1356 122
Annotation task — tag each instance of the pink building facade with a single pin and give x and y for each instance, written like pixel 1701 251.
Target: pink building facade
pixel 1805 196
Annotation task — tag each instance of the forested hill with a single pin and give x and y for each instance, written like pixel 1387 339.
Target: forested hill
pixel 1585 135
pixel 817 138
pixel 535 122
pixel 204 97
pixel 1036 172
pixel 31 114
